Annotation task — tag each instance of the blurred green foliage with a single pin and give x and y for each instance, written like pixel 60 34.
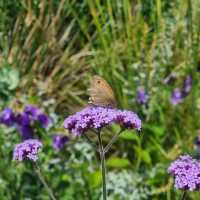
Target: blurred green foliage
pixel 9 80
pixel 50 49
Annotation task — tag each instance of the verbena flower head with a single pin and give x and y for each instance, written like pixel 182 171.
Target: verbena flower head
pixel 177 96
pixel 95 117
pixel 27 150
pixel 59 141
pixel 7 117
pixel 142 96
pixel 186 172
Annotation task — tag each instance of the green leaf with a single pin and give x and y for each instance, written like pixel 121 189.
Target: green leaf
pixel 115 128
pixel 116 162
pixel 66 177
pixel 156 129
pixel 13 78
pixel 95 179
pixel 143 154
pixel 129 135
pixel 146 157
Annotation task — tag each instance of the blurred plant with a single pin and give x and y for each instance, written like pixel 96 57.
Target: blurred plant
pixel 142 96
pixel 178 95
pixel 126 185
pixel 59 141
pixel 26 121
pixel 9 80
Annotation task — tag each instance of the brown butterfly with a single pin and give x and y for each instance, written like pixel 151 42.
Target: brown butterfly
pixel 101 94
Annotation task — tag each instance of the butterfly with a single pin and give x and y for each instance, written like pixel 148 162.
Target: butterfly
pixel 101 94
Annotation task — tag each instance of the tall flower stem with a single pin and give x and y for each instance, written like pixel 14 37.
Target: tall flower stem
pixel 103 165
pixel 112 141
pixel 48 189
pixel 91 142
pixel 184 196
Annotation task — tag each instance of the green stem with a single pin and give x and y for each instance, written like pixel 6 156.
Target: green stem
pixel 112 141
pixel 103 166
pixel 90 142
pixel 38 172
pixel 184 195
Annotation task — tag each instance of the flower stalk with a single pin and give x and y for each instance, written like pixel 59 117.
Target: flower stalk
pixel 184 196
pixel 112 141
pixel 43 181
pixel 103 165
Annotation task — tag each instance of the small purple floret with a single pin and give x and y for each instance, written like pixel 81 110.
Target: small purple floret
pixel 187 86
pixel 44 120
pixel 33 111
pixel 27 150
pixel 177 96
pixel 186 172
pixel 95 117
pixel 142 97
pixel 7 117
pixel 59 141
pixel 37 115
pixel 23 119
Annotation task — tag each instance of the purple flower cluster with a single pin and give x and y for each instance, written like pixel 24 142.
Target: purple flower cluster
pixel 24 121
pixel 95 117
pixel 27 150
pixel 186 171
pixel 142 97
pixel 178 94
pixel 59 141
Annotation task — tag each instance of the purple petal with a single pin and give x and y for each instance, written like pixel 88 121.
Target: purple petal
pixel 59 141
pixel 7 117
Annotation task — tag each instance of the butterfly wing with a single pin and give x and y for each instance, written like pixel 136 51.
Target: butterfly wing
pixel 101 94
